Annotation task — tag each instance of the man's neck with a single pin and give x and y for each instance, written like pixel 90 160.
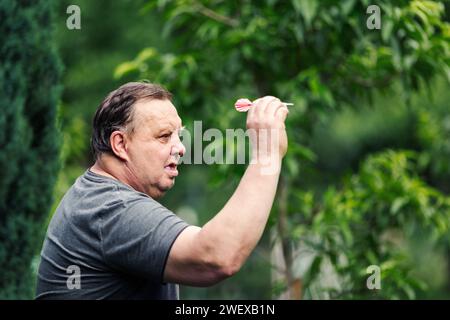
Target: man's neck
pixel 111 167
pixel 97 168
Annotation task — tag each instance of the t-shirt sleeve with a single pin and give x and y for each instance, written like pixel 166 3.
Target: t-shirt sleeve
pixel 138 239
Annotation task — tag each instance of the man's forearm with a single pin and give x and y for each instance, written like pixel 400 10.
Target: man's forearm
pixel 234 232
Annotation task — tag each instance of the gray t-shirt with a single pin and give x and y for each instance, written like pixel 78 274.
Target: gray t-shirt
pixel 107 241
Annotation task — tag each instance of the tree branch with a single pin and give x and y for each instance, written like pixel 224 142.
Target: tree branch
pixel 216 16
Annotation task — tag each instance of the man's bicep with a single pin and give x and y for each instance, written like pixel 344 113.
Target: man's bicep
pixel 188 262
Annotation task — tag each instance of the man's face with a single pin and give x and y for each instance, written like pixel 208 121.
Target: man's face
pixel 154 146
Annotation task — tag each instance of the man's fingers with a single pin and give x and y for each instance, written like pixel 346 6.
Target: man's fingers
pixel 282 112
pixel 267 107
pixel 273 108
pixel 264 105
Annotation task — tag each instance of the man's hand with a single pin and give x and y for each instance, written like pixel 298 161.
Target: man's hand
pixel 266 128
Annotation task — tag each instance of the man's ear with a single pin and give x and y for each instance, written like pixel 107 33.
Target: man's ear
pixel 118 141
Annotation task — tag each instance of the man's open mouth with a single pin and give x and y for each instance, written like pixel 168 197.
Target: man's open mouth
pixel 171 169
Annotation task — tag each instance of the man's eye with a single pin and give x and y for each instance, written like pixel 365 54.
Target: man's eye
pixel 165 136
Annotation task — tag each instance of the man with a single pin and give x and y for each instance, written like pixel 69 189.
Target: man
pixel 110 239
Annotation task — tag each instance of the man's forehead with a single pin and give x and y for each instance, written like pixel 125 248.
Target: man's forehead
pixel 157 114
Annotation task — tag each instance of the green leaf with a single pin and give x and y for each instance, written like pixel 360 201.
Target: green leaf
pixel 386 30
pixel 124 69
pixel 398 204
pixel 347 6
pixel 313 271
pixel 307 8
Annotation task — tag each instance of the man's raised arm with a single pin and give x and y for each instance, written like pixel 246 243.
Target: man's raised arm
pixel 205 256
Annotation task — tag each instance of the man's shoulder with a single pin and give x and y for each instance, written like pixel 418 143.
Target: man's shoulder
pixel 99 186
pixel 103 191
pixel 93 201
pixel 92 196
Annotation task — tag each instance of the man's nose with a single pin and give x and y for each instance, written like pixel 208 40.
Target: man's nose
pixel 179 148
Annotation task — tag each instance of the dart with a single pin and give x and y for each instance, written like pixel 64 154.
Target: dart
pixel 243 105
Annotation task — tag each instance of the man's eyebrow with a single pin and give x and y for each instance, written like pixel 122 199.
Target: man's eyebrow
pixel 169 129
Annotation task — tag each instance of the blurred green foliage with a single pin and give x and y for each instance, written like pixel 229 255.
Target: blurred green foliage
pixel 29 142
pixel 369 220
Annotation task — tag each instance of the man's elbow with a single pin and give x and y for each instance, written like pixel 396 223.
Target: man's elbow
pixel 223 269
pixel 220 262
pixel 229 268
